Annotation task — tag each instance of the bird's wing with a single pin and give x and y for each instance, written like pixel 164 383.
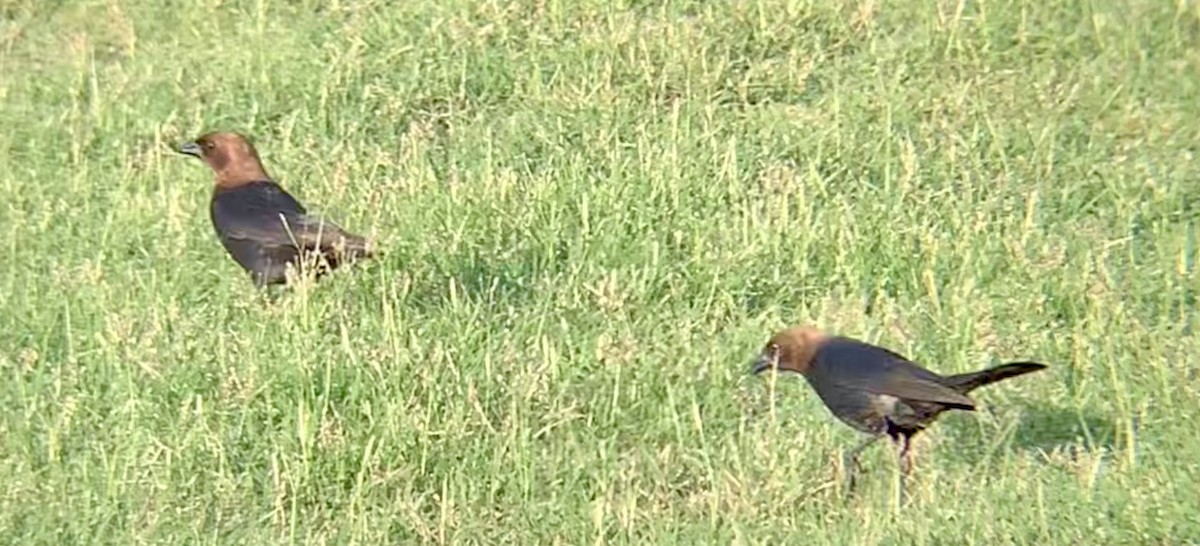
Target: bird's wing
pixel 295 230
pixel 266 214
pixel 881 371
pixel 908 387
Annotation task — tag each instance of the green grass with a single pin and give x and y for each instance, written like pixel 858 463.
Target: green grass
pixel 594 215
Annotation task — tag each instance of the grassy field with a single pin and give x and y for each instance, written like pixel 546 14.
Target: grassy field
pixel 594 215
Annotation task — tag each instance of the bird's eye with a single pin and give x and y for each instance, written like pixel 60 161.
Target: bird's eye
pixel 209 145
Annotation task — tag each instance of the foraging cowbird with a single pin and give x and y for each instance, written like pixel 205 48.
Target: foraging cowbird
pixel 262 226
pixel 873 389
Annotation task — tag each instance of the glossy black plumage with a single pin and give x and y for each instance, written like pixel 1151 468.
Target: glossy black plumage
pixel 264 229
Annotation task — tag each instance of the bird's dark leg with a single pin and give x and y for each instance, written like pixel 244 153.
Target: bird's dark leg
pixel 850 460
pixel 905 458
pixel 905 441
pixel 853 454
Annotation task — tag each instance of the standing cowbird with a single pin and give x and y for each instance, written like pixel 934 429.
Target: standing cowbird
pixel 873 389
pixel 262 226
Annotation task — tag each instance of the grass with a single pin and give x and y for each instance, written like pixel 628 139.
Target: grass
pixel 594 214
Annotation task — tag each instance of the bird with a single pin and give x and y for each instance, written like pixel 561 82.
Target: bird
pixel 873 389
pixel 263 227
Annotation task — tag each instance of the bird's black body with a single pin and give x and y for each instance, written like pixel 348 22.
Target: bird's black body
pixel 264 229
pixel 878 391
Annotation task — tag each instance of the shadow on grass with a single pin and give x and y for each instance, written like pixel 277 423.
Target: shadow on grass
pixel 1037 428
pixel 472 278
pixel 1045 428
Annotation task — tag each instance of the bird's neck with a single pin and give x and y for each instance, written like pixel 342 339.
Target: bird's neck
pixel 236 175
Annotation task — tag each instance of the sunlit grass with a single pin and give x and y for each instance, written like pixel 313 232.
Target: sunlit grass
pixel 593 215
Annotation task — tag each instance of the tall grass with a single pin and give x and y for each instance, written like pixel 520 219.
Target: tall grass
pixel 593 215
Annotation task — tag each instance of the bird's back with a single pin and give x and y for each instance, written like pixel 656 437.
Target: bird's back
pixel 863 384
pixel 257 204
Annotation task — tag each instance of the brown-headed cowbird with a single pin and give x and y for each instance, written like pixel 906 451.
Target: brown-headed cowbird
pixel 874 389
pixel 262 226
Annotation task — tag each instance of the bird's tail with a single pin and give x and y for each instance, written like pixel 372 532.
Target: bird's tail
pixel 338 246
pixel 354 247
pixel 968 382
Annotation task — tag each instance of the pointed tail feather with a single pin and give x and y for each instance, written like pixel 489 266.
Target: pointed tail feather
pixel 357 248
pixel 334 241
pixel 968 382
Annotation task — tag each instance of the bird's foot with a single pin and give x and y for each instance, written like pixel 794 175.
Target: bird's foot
pixel 850 469
pixel 906 456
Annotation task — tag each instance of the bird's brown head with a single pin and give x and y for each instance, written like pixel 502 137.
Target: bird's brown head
pixel 790 350
pixel 232 158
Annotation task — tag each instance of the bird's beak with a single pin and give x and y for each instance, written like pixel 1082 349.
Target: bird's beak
pixel 763 362
pixel 190 148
